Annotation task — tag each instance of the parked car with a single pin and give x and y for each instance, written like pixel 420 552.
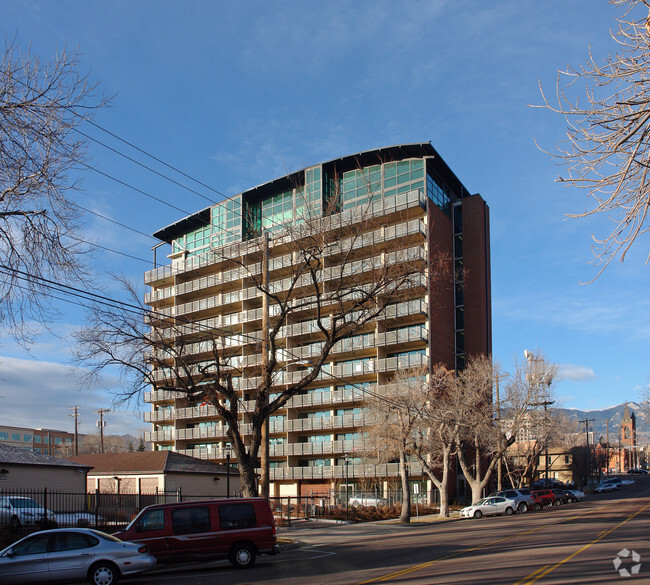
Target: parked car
pixel 17 511
pixel 491 506
pixel 562 496
pixel 578 496
pixel 522 496
pixel 235 528
pixel 72 554
pixel 637 471
pixel 544 497
pixel 358 501
pixel 605 487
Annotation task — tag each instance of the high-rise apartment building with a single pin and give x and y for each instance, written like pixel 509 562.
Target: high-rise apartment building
pixel 414 209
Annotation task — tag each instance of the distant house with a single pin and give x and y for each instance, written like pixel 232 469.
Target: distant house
pixel 151 472
pixel 22 469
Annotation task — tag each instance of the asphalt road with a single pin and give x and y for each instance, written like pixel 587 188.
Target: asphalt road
pixel 576 543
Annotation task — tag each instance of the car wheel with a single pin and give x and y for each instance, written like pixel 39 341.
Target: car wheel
pixel 538 506
pixel 103 573
pixel 558 503
pixel 549 505
pixel 478 514
pixel 509 511
pixel 242 555
pixel 355 504
pixel 14 523
pixel 523 508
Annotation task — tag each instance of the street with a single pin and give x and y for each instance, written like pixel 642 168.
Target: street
pixel 575 543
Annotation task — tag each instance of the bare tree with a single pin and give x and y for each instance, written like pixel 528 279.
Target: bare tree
pixel 323 279
pixel 41 106
pixel 607 151
pixel 434 437
pixel 394 418
pixel 485 435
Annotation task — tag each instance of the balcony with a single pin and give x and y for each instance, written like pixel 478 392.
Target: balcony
pixel 417 333
pixel 159 436
pixel 401 362
pixel 216 432
pixel 162 395
pixel 339 471
pixel 159 416
pixel 346 421
pixel 335 448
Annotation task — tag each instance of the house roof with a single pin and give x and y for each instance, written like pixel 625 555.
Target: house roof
pixel 140 462
pixel 17 456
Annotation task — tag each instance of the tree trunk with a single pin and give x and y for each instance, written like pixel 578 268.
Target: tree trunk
pixel 405 514
pixel 441 484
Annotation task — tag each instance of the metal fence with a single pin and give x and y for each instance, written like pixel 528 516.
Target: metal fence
pixel 112 511
pixel 109 511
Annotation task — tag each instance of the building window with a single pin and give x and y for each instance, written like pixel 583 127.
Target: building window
pixel 27 438
pixel 15 436
pixel 37 438
pixel 4 436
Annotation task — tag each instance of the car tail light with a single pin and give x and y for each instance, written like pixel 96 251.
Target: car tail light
pixel 143 549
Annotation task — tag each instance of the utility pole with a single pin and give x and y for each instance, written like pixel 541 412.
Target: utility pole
pixel 587 421
pixel 100 424
pixel 500 461
pixel 607 447
pixel 75 415
pixel 266 375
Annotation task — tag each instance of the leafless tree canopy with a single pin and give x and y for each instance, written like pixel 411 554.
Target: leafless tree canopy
pixel 607 151
pixel 41 105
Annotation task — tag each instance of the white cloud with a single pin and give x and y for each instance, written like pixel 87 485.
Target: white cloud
pixel 40 394
pixel 576 372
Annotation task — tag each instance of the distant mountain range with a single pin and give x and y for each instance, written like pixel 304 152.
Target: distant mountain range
pixel 600 418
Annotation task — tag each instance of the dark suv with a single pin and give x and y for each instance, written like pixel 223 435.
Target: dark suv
pixel 522 497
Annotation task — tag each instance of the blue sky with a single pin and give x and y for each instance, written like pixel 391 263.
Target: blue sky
pixel 238 93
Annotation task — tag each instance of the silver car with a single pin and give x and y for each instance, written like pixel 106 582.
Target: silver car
pixel 17 511
pixel 72 554
pixel 489 507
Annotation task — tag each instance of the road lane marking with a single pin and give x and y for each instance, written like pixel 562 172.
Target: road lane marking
pixel 534 577
pixel 420 566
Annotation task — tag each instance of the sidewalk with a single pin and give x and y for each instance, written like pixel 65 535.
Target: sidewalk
pixel 315 532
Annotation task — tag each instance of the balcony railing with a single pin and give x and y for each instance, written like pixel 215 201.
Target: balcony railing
pixel 340 472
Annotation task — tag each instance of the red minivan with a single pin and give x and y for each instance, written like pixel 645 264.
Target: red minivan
pixel 235 528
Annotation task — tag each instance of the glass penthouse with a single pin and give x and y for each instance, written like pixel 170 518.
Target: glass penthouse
pixel 414 205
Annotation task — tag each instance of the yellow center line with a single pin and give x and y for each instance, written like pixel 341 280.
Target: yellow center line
pixel 532 574
pixel 415 568
pixel 534 577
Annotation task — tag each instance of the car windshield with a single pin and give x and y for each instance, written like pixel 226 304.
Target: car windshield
pixel 480 502
pixel 23 503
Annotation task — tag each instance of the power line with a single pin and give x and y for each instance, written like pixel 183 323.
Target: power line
pixel 95 245
pixel 125 184
pixel 154 157
pixel 114 221
pixel 144 166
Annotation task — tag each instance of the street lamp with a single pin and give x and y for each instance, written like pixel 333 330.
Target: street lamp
pixel 537 380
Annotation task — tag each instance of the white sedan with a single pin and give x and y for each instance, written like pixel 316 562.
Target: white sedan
pixel 605 487
pixel 489 507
